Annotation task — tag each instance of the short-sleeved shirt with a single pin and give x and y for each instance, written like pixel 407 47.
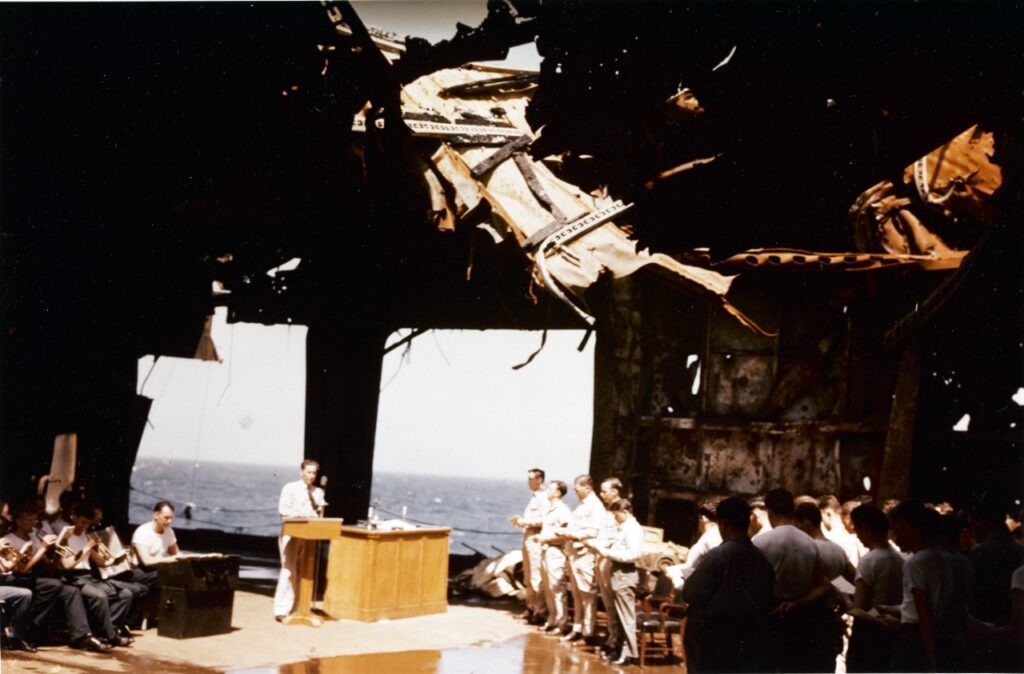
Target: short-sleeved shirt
pixel 929 572
pixel 708 541
pixel 77 542
pixel 882 570
pixel 833 557
pixel 156 545
pixel 556 517
pixel 19 542
pixel 533 515
pixel 586 521
pixel 793 556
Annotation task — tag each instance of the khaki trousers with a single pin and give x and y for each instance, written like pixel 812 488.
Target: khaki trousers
pixel 533 574
pixel 604 584
pixel 583 565
pixel 554 586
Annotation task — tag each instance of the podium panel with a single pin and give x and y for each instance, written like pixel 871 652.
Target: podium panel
pixel 377 575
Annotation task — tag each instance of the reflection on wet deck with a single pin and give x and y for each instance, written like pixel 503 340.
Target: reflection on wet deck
pixel 530 654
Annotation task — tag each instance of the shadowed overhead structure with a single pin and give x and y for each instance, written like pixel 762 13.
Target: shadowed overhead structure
pixel 696 182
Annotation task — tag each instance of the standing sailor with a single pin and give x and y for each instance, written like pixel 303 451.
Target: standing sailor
pixel 530 523
pixel 611 491
pixel 298 499
pixel 551 538
pixel 585 524
pixel 624 550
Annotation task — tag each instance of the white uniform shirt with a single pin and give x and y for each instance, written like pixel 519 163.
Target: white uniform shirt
pixel 882 569
pixel 556 517
pixel 295 500
pixel 628 543
pixel 587 518
pixel 929 572
pixel 793 555
pixel 533 516
pixel 156 545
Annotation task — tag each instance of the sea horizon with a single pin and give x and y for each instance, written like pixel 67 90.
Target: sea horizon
pixel 238 497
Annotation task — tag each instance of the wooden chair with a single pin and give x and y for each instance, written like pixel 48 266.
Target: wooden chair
pixel 658 620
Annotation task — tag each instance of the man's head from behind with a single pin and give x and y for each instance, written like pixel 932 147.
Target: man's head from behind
pixel 733 515
pixel 779 504
pixel 807 518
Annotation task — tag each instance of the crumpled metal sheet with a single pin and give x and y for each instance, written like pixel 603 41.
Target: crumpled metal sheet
pixel 790 258
pixel 955 180
pixel 570 267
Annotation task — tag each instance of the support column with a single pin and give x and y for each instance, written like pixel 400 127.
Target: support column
pixel 894 481
pixel 618 360
pixel 343 365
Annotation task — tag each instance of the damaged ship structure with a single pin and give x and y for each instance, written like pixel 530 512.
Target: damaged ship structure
pixel 792 229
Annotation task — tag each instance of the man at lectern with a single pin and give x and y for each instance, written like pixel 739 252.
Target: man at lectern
pixel 298 499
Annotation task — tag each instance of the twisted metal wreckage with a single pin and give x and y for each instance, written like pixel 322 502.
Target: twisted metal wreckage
pixel 691 131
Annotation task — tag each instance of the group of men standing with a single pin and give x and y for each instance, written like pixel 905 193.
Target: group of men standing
pixel 589 550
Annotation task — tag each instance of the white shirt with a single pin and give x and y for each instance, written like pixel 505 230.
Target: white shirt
pixel 295 500
pixel 882 569
pixel 929 572
pixel 628 543
pixel 77 542
pixel 533 516
pixel 708 541
pixel 19 543
pixel 556 517
pixel 156 545
pixel 588 517
pixel 54 527
pixel 793 555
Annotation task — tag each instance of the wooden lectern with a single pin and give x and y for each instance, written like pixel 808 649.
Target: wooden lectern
pixel 382 575
pixel 308 531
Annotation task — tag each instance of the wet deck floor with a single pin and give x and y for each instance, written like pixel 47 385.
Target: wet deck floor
pixel 529 654
pixel 467 639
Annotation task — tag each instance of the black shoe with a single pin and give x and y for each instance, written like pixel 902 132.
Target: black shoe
pixel 571 637
pixel 125 632
pixel 551 629
pixel 623 661
pixel 120 641
pixel 21 645
pixel 91 643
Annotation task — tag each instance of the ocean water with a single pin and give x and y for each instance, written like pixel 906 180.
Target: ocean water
pixel 243 499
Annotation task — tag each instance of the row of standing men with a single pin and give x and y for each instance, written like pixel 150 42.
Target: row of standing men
pixel 590 550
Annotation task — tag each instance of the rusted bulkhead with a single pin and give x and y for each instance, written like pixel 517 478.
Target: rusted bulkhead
pixel 699 405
